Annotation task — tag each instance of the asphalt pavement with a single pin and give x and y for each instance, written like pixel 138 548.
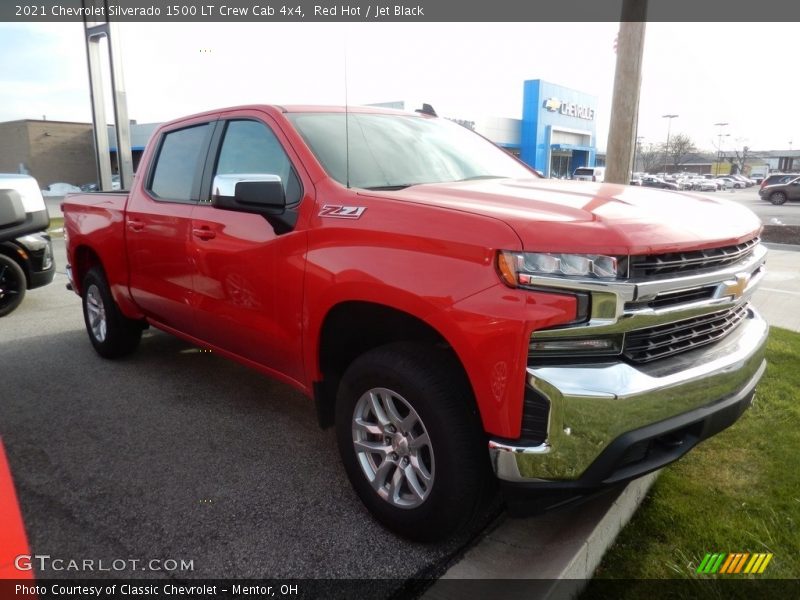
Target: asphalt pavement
pixel 178 454
pixel 785 214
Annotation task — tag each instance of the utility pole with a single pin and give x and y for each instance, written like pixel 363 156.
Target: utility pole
pixel 627 83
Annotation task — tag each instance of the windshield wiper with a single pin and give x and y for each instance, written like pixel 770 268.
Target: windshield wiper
pixel 476 177
pixel 403 186
pixel 389 188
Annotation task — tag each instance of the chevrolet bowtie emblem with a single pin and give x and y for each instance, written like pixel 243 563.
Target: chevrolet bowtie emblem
pixel 552 104
pixel 735 288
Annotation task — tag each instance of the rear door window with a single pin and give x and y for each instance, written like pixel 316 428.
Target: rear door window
pixel 177 167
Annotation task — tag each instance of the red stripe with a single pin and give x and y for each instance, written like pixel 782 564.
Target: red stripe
pixel 13 540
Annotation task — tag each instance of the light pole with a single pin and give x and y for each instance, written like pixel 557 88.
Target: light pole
pixel 719 146
pixel 666 148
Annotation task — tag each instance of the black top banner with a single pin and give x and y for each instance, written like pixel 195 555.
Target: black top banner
pixel 238 11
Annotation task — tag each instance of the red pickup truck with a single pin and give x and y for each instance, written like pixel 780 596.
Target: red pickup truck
pixel 459 319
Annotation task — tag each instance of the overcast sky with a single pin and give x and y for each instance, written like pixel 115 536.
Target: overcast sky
pixel 740 73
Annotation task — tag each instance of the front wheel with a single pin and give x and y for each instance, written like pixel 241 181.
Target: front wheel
pixel 777 198
pixel 411 441
pixel 12 285
pixel 112 334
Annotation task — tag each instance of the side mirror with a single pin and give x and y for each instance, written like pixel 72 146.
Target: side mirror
pixel 254 193
pixel 248 193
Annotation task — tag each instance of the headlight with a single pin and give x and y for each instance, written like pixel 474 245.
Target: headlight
pixel 521 268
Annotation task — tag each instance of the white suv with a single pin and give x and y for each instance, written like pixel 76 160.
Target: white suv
pixel 589 174
pixel 22 208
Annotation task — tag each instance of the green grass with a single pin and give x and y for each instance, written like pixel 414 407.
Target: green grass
pixel 737 492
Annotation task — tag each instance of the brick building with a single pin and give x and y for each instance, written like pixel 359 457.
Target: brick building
pixel 50 151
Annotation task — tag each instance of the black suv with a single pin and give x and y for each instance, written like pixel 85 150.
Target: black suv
pixel 25 263
pixel 787 189
pixel 26 254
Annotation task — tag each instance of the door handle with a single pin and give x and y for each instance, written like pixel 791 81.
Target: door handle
pixel 203 233
pixel 135 225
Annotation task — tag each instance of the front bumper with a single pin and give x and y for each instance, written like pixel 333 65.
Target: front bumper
pixel 609 423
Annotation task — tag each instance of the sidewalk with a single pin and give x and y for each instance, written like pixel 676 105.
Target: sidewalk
pixel 561 550
pixel 778 297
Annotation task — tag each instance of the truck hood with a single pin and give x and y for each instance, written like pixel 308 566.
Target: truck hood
pixel 567 216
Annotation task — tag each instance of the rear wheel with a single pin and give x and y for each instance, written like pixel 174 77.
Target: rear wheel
pixel 112 334
pixel 411 441
pixel 12 285
pixel 777 198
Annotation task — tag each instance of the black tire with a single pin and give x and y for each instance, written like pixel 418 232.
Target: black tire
pixel 12 285
pixel 429 382
pixel 777 198
pixel 112 334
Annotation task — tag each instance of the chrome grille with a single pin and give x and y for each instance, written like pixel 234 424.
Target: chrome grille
pixel 657 265
pixel 645 345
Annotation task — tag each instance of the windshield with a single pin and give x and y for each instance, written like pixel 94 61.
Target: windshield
pixel 396 151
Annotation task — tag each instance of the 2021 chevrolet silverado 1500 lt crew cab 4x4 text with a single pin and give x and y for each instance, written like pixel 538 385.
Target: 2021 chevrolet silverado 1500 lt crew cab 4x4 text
pixel 454 315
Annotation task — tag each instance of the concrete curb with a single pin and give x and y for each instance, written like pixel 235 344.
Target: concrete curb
pixel 786 247
pixel 558 552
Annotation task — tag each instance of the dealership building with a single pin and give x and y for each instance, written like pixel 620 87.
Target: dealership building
pixel 557 132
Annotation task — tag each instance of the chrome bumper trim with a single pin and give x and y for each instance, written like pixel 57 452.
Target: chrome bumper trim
pixel 591 405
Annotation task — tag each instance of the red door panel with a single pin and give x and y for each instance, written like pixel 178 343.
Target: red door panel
pixel 249 287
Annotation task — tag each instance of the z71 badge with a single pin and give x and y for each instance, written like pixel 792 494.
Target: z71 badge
pixel 342 212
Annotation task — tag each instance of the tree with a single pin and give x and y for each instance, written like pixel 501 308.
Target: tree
pixel 651 158
pixel 739 158
pixel 680 148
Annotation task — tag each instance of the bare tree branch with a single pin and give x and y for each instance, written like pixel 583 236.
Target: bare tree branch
pixel 680 148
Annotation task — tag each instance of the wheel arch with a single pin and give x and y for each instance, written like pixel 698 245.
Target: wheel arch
pixel 84 258
pixel 353 327
pixel 10 250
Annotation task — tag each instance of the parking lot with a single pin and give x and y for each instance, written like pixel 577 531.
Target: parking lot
pixel 785 214
pixel 178 454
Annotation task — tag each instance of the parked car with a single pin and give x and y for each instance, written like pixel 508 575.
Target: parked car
pixel 26 256
pixel 25 263
pixel 94 186
pixel 596 174
pixel 60 189
pixel 22 208
pixel 745 180
pixel 781 192
pixel 706 185
pixel 732 182
pixel 657 182
pixel 774 178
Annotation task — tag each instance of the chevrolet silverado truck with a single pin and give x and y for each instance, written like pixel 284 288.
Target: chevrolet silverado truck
pixel 460 320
